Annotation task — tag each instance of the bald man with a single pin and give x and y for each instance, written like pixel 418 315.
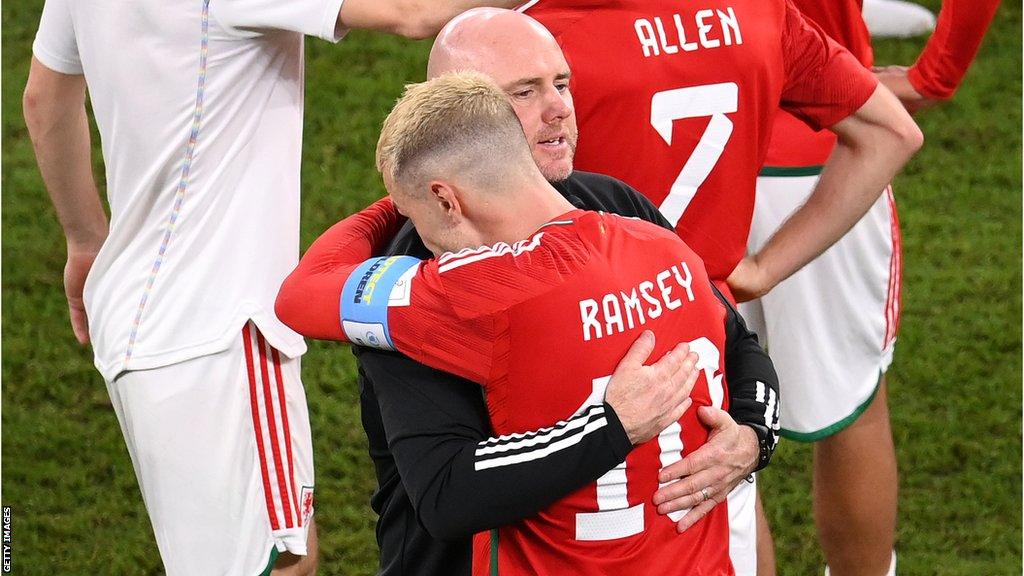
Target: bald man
pixel 410 410
pixel 522 57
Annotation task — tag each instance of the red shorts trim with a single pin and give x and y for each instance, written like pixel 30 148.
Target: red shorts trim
pixel 281 496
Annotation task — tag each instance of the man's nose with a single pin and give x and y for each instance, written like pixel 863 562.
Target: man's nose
pixel 556 107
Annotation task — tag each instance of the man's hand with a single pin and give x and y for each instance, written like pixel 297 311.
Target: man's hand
pixel 75 271
pixel 704 478
pixel 747 281
pixel 649 398
pixel 896 80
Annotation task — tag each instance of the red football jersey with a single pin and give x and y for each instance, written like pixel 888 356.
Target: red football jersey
pixel 678 100
pixel 793 143
pixel 541 325
pixel 842 20
pixel 936 74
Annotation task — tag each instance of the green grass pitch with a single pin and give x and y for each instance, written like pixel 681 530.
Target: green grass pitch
pixel 955 384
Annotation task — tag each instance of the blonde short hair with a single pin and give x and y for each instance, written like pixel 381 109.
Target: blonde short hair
pixel 460 121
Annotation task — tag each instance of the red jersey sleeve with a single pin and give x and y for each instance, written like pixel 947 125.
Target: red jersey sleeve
pixel 449 312
pixel 949 52
pixel 308 300
pixel 824 82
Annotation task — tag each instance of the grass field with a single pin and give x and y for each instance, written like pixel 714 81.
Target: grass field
pixel 955 384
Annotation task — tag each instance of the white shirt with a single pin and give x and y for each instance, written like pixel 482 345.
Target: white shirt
pixel 199 110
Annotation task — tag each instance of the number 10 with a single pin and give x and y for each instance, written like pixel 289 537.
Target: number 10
pixel 615 518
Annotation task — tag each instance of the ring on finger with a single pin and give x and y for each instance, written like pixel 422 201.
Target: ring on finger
pixel 705 494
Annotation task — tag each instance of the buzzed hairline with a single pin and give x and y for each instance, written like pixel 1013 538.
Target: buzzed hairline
pixel 459 125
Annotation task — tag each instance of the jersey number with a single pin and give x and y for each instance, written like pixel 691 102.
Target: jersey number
pixel 615 518
pixel 714 100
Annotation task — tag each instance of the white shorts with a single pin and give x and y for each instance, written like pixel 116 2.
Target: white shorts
pixel 222 450
pixel 743 528
pixel 831 327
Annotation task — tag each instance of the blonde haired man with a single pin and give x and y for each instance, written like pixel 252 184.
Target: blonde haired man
pixel 534 300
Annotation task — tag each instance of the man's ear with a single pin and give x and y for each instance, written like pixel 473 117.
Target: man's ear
pixel 447 197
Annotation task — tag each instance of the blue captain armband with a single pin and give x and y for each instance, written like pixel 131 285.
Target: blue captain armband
pixel 374 286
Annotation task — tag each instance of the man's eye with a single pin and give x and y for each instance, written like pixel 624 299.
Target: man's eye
pixel 561 87
pixel 523 93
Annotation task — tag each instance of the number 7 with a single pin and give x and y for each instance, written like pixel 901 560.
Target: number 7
pixel 714 100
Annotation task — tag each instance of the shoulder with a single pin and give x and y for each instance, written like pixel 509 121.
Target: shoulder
pixel 490 279
pixel 595 180
pixel 605 192
pixel 600 192
pixel 604 224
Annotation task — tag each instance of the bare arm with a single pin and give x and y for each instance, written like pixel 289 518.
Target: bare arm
pixel 54 107
pixel 410 18
pixel 874 143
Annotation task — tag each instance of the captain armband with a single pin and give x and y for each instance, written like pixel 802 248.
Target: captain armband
pixel 375 285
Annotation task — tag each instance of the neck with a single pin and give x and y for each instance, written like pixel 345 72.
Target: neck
pixel 525 210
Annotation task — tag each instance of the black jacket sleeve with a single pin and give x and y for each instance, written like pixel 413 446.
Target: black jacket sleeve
pixel 591 191
pixel 752 382
pixel 460 481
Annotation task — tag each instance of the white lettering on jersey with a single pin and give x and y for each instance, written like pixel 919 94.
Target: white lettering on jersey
pixel 666 291
pixel 612 314
pixel 631 303
pixel 687 282
pixel 711 32
pixel 588 313
pixel 703 28
pixel 619 309
pixel 645 290
pixel 730 27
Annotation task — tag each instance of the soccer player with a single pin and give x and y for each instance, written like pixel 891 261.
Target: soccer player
pixel 836 321
pixel 554 294
pixel 678 101
pixel 199 106
pixel 423 425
